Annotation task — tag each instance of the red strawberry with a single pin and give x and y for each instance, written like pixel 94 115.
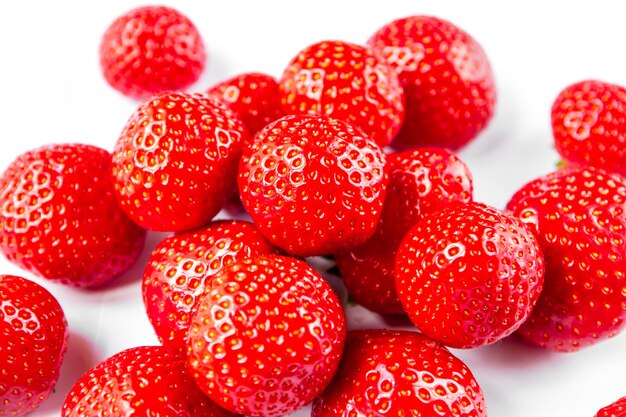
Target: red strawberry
pixel 253 96
pixel 151 49
pixel 32 347
pixel 348 82
pixel 447 79
pixel 589 125
pixel 420 181
pixel 267 336
pixel 180 266
pixel 469 275
pixel 175 162
pixel 313 185
pixel 141 381
pixel 616 409
pixel 579 216
pixel 60 218
pixel 399 373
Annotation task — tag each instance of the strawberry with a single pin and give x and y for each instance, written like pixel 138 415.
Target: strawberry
pixel 140 381
pixel 420 181
pixel 312 184
pixel 447 80
pixel 267 336
pixel 348 82
pixel 59 217
pixel 253 96
pixel 175 161
pixel 616 409
pixel 180 266
pixel 400 373
pixel 579 217
pixel 33 344
pixel 151 49
pixel 469 275
pixel 589 125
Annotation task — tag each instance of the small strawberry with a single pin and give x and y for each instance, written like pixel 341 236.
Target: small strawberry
pixel 579 216
pixel 175 162
pixel 33 341
pixel 399 373
pixel 469 275
pixel 140 381
pixel 420 181
pixel 267 336
pixel 180 266
pixel 151 49
pixel 589 125
pixel 253 96
pixel 59 217
pixel 447 79
pixel 616 409
pixel 313 185
pixel 348 82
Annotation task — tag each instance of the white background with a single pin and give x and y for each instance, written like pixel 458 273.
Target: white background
pixel 51 91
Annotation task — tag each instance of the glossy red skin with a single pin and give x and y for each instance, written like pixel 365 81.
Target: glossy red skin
pixel 267 336
pixel 616 409
pixel 175 162
pixel 60 219
pixel 348 82
pixel 180 266
pixel 420 181
pixel 399 373
pixel 579 216
pixel 253 96
pixel 313 185
pixel 137 382
pixel 589 125
pixel 33 341
pixel 469 275
pixel 151 49
pixel 448 83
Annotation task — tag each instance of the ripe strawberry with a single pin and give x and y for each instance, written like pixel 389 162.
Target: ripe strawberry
pixel 151 49
pixel 33 344
pixel 579 216
pixel 180 266
pixel 175 162
pixel 253 96
pixel 348 82
pixel 399 373
pixel 616 409
pixel 313 185
pixel 141 381
pixel 469 275
pixel 267 336
pixel 59 217
pixel 589 125
pixel 420 181
pixel 447 79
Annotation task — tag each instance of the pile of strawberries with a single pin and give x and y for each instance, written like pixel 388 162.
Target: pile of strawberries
pixel 348 155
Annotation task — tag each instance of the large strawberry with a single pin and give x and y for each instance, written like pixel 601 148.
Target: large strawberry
pixel 420 181
pixel 616 409
pixel 469 275
pixel 447 79
pixel 151 49
pixel 267 336
pixel 579 216
pixel 348 82
pixel 589 125
pixel 33 342
pixel 140 381
pixel 399 373
pixel 175 162
pixel 60 219
pixel 180 266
